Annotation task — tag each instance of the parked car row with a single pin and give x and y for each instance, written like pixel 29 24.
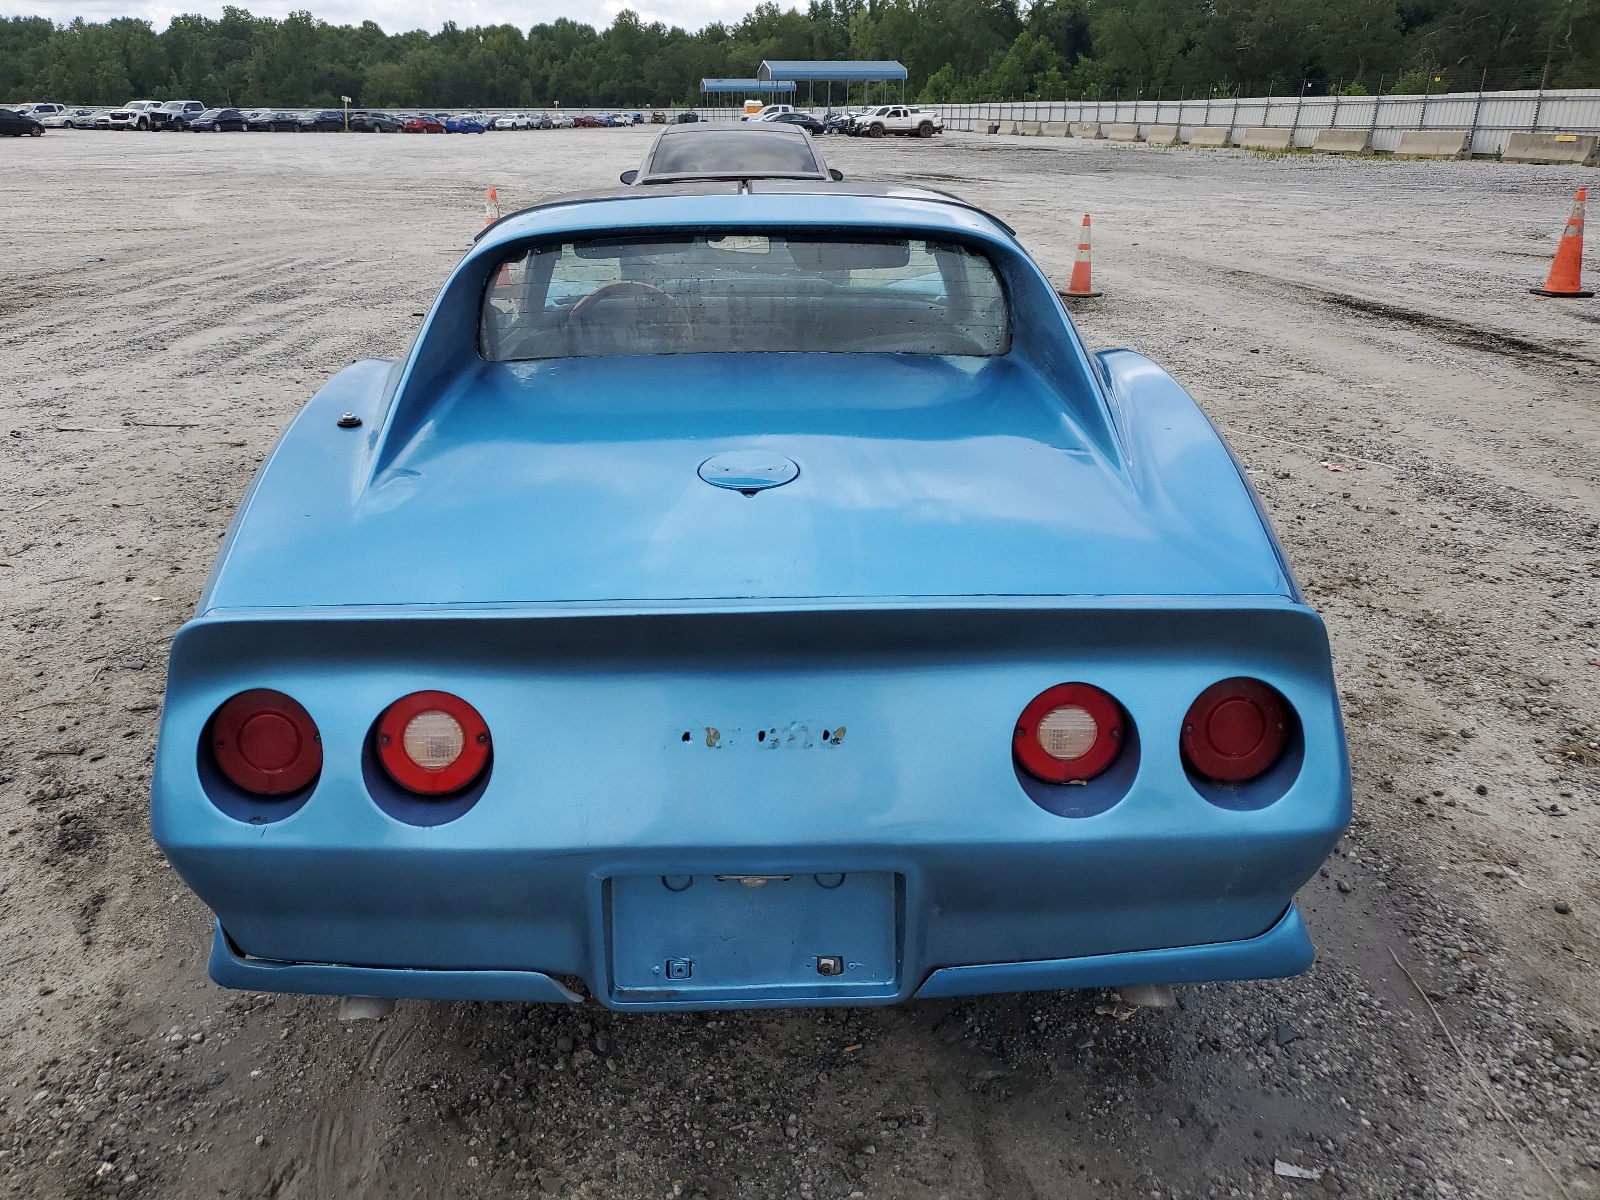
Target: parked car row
pixel 193 116
pixel 859 122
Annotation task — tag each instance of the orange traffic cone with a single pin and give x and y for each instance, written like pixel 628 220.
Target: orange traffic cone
pixel 1565 280
pixel 1080 288
pixel 491 206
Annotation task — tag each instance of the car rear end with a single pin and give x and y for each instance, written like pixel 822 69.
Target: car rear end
pixel 944 660
pixel 752 806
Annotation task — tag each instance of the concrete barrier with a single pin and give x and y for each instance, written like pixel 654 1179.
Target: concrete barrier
pixel 1055 129
pixel 1126 132
pixel 1162 135
pixel 1088 129
pixel 1579 149
pixel 1343 141
pixel 1267 137
pixel 1209 135
pixel 1432 143
pixel 1012 129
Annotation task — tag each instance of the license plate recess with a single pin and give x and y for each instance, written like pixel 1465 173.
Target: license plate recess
pixel 756 939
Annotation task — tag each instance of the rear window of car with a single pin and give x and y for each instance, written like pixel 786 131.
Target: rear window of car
pixel 731 152
pixel 743 292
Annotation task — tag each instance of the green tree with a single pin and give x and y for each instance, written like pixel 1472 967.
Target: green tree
pixel 952 49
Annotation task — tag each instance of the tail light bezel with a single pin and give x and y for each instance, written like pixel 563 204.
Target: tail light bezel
pixel 423 782
pixel 225 734
pixel 1110 722
pixel 1202 758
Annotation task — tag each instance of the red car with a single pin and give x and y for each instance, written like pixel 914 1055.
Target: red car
pixel 587 122
pixel 421 125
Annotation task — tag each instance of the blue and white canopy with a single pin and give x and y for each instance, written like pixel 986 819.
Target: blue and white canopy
pixel 761 86
pixel 840 71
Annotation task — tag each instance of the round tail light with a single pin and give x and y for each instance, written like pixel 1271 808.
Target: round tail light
pixel 1068 734
pixel 266 743
pixel 1235 730
pixel 432 743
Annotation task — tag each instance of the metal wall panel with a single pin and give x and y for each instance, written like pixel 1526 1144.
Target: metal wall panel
pixel 1491 117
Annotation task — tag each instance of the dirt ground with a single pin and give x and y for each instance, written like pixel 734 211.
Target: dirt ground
pixel 1425 433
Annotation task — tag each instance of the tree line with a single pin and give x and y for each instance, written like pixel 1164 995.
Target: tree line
pixel 955 50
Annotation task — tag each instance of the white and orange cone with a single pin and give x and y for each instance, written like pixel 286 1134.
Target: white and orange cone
pixel 491 206
pixel 1565 280
pixel 1079 288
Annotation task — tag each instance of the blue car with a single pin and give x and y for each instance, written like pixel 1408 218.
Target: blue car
pixel 464 125
pixel 749 593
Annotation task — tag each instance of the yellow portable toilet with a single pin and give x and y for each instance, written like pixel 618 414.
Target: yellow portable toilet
pixel 752 107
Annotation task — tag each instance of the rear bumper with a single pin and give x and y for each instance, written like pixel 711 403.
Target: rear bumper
pixel 232 968
pixel 1281 951
pixel 629 786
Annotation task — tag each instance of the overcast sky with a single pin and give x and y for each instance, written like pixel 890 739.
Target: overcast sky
pixel 398 15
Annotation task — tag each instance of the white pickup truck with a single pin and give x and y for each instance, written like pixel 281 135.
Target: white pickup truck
pixel 898 118
pixel 134 114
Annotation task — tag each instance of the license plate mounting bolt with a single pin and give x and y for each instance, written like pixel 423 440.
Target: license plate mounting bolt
pixel 680 968
pixel 830 964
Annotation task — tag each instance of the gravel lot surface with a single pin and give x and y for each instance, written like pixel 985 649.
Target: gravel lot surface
pixel 1425 433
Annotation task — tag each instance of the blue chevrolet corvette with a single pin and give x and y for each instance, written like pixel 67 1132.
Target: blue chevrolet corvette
pixel 746 593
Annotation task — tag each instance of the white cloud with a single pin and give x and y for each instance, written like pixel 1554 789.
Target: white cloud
pixel 399 15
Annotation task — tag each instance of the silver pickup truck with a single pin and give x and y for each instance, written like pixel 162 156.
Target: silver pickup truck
pixel 897 118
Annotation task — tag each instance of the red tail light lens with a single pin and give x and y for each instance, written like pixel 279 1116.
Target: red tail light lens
pixel 266 743
pixel 1068 734
pixel 432 743
pixel 1235 730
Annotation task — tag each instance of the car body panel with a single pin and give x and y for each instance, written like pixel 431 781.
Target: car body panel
pixel 570 436
pixel 709 708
